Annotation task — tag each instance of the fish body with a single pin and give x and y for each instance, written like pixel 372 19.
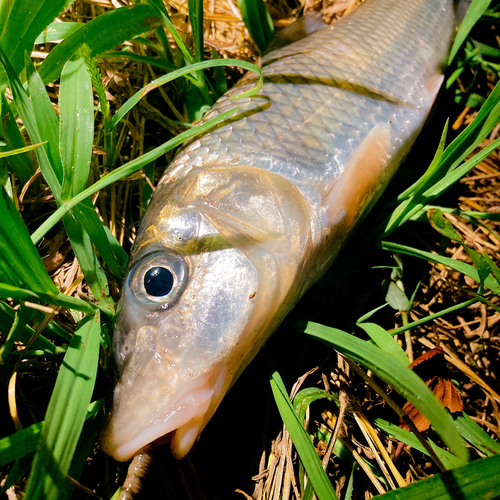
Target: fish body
pixel 250 215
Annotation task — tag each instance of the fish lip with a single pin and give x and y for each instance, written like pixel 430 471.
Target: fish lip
pixel 193 403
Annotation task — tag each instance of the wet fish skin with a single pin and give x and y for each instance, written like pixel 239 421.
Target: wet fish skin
pixel 248 216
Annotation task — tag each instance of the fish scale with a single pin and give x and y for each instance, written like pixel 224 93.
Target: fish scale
pixel 248 216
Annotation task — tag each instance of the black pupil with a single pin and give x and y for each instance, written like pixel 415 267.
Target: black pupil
pixel 158 281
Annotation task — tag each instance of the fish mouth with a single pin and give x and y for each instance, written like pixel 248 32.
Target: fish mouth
pixel 183 417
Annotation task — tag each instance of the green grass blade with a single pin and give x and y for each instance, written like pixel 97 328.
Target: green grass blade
pixel 25 22
pixel 120 114
pixel 66 413
pixel 258 22
pixel 106 244
pixel 21 443
pixel 21 165
pixel 307 396
pixel 308 455
pixel 459 266
pixel 220 77
pixel 434 316
pixel 449 169
pixel 20 263
pixel 56 299
pixel 26 112
pixel 414 207
pixel 201 87
pixel 76 126
pixel 55 32
pixel 449 461
pixel 429 173
pixel 84 251
pixel 493 268
pixel 396 374
pixel 22 317
pixel 456 174
pixel 25 149
pixel 85 214
pixel 196 20
pixel 7 317
pixel 125 170
pixel 385 341
pixel 102 33
pixel 484 122
pixel 478 480
pixel 16 473
pixel 350 485
pixel 161 11
pixel 124 54
pixel 475 11
pixel 476 436
pixel 45 117
pixel 4 11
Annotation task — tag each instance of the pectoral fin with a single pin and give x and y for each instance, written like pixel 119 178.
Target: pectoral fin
pixel 367 171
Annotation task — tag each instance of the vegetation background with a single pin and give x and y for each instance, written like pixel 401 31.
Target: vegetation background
pixel 97 94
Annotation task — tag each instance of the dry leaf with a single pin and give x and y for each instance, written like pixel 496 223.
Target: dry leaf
pixel 431 367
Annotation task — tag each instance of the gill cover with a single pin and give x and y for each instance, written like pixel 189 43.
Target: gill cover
pixel 216 267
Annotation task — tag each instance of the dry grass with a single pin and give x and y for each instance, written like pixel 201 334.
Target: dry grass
pixel 470 337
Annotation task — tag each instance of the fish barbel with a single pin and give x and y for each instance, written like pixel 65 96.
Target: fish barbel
pixel 250 215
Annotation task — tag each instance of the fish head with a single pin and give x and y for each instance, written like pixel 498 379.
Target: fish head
pixel 212 273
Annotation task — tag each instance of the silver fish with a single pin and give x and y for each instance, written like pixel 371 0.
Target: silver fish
pixel 250 215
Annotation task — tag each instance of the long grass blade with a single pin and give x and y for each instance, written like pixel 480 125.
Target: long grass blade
pixel 490 282
pixel 476 9
pixel 56 32
pixel 131 56
pixel 21 165
pixel 196 20
pixel 475 481
pixel 396 374
pixel 26 112
pixel 85 214
pixel 258 22
pixel 446 169
pixel 121 113
pixel 76 126
pixel 7 318
pixel 66 413
pixel 102 33
pixel 25 21
pixel 57 299
pixel 21 443
pixel 308 455
pixel 449 461
pixel 125 170
pixel 25 149
pixel 385 341
pixel 20 263
pixel 476 436
pixel 161 11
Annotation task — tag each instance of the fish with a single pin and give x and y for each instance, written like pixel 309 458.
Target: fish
pixel 250 215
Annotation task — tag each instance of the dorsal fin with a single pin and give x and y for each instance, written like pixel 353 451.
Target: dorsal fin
pixel 304 26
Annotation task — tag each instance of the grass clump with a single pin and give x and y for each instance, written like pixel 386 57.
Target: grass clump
pixel 91 96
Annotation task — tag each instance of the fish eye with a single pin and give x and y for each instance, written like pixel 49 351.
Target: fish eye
pixel 159 278
pixel 158 281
